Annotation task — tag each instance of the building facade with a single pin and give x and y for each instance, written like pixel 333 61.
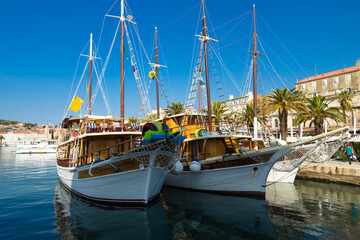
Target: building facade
pixel 331 84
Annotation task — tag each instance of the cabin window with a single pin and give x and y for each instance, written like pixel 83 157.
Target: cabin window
pixel 337 91
pixel 326 93
pixel 324 82
pixel 348 89
pixel 191 120
pixel 276 123
pixel 336 79
pixel 303 86
pixel 348 77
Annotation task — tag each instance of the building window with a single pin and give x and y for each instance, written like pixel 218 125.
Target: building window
pixel 348 77
pixel 276 123
pixel 337 91
pixel 336 79
pixel 313 84
pixel 348 89
pixel 324 82
pixel 313 95
pixel 303 86
pixel 325 93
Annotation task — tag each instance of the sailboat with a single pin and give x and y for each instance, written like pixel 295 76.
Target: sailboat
pixel 219 163
pixel 106 159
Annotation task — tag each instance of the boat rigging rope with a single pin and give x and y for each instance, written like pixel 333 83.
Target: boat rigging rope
pixel 102 91
pixel 72 84
pixel 247 13
pixel 292 56
pixel 265 67
pixel 77 88
pixel 174 21
pixel 194 56
pixel 292 72
pixel 234 27
pixel 225 67
pixel 271 63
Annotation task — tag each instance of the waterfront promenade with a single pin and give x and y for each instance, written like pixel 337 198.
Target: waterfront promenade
pixel 335 171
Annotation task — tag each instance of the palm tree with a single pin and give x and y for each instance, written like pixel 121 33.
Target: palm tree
pixel 345 99
pixel 317 109
pixel 174 108
pixel 151 116
pixel 218 109
pixel 1 138
pixel 282 101
pixel 133 120
pixel 247 115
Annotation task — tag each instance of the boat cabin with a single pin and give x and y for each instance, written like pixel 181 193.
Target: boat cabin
pixel 83 139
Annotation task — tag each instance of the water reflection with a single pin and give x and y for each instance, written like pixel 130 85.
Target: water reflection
pixel 301 211
pixel 314 210
pixel 79 219
pixel 194 215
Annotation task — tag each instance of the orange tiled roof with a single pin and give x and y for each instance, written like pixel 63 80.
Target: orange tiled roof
pixel 334 73
pixel 22 132
pixel 3 132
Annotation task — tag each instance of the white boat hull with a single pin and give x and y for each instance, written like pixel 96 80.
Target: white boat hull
pixel 282 177
pixel 136 187
pixel 246 180
pixel 36 150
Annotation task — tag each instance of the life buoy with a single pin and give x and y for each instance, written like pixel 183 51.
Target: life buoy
pixel 158 126
pixel 200 132
pixel 152 74
pixel 148 127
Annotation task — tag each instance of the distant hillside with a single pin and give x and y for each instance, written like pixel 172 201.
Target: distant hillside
pixel 8 122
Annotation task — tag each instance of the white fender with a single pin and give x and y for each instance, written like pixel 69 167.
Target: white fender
pixel 195 166
pixel 178 168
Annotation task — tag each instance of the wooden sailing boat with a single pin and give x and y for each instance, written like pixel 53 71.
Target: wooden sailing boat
pixel 215 163
pixel 102 158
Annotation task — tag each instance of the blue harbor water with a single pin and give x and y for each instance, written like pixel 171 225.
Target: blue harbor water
pixel 35 206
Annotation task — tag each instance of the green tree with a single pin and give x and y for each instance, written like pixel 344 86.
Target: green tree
pixel 247 115
pixel 317 109
pixel 283 100
pixel 1 138
pixel 345 99
pixel 218 109
pixel 152 116
pixel 174 108
pixel 133 120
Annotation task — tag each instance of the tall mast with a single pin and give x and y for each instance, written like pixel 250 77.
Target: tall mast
pixel 254 53
pixel 205 40
pixel 122 100
pixel 157 74
pixel 90 72
pixel 199 82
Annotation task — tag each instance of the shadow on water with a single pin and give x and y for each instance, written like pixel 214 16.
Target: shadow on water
pixel 77 218
pixel 178 214
pixel 194 215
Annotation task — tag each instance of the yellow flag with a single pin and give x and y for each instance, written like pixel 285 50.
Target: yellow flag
pixel 76 104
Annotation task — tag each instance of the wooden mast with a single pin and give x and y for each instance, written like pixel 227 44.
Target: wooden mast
pixel 157 74
pixel 254 53
pixel 205 40
pixel 90 73
pixel 122 100
pixel 199 79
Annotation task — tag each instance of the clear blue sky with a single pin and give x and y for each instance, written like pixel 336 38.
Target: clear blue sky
pixel 40 42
